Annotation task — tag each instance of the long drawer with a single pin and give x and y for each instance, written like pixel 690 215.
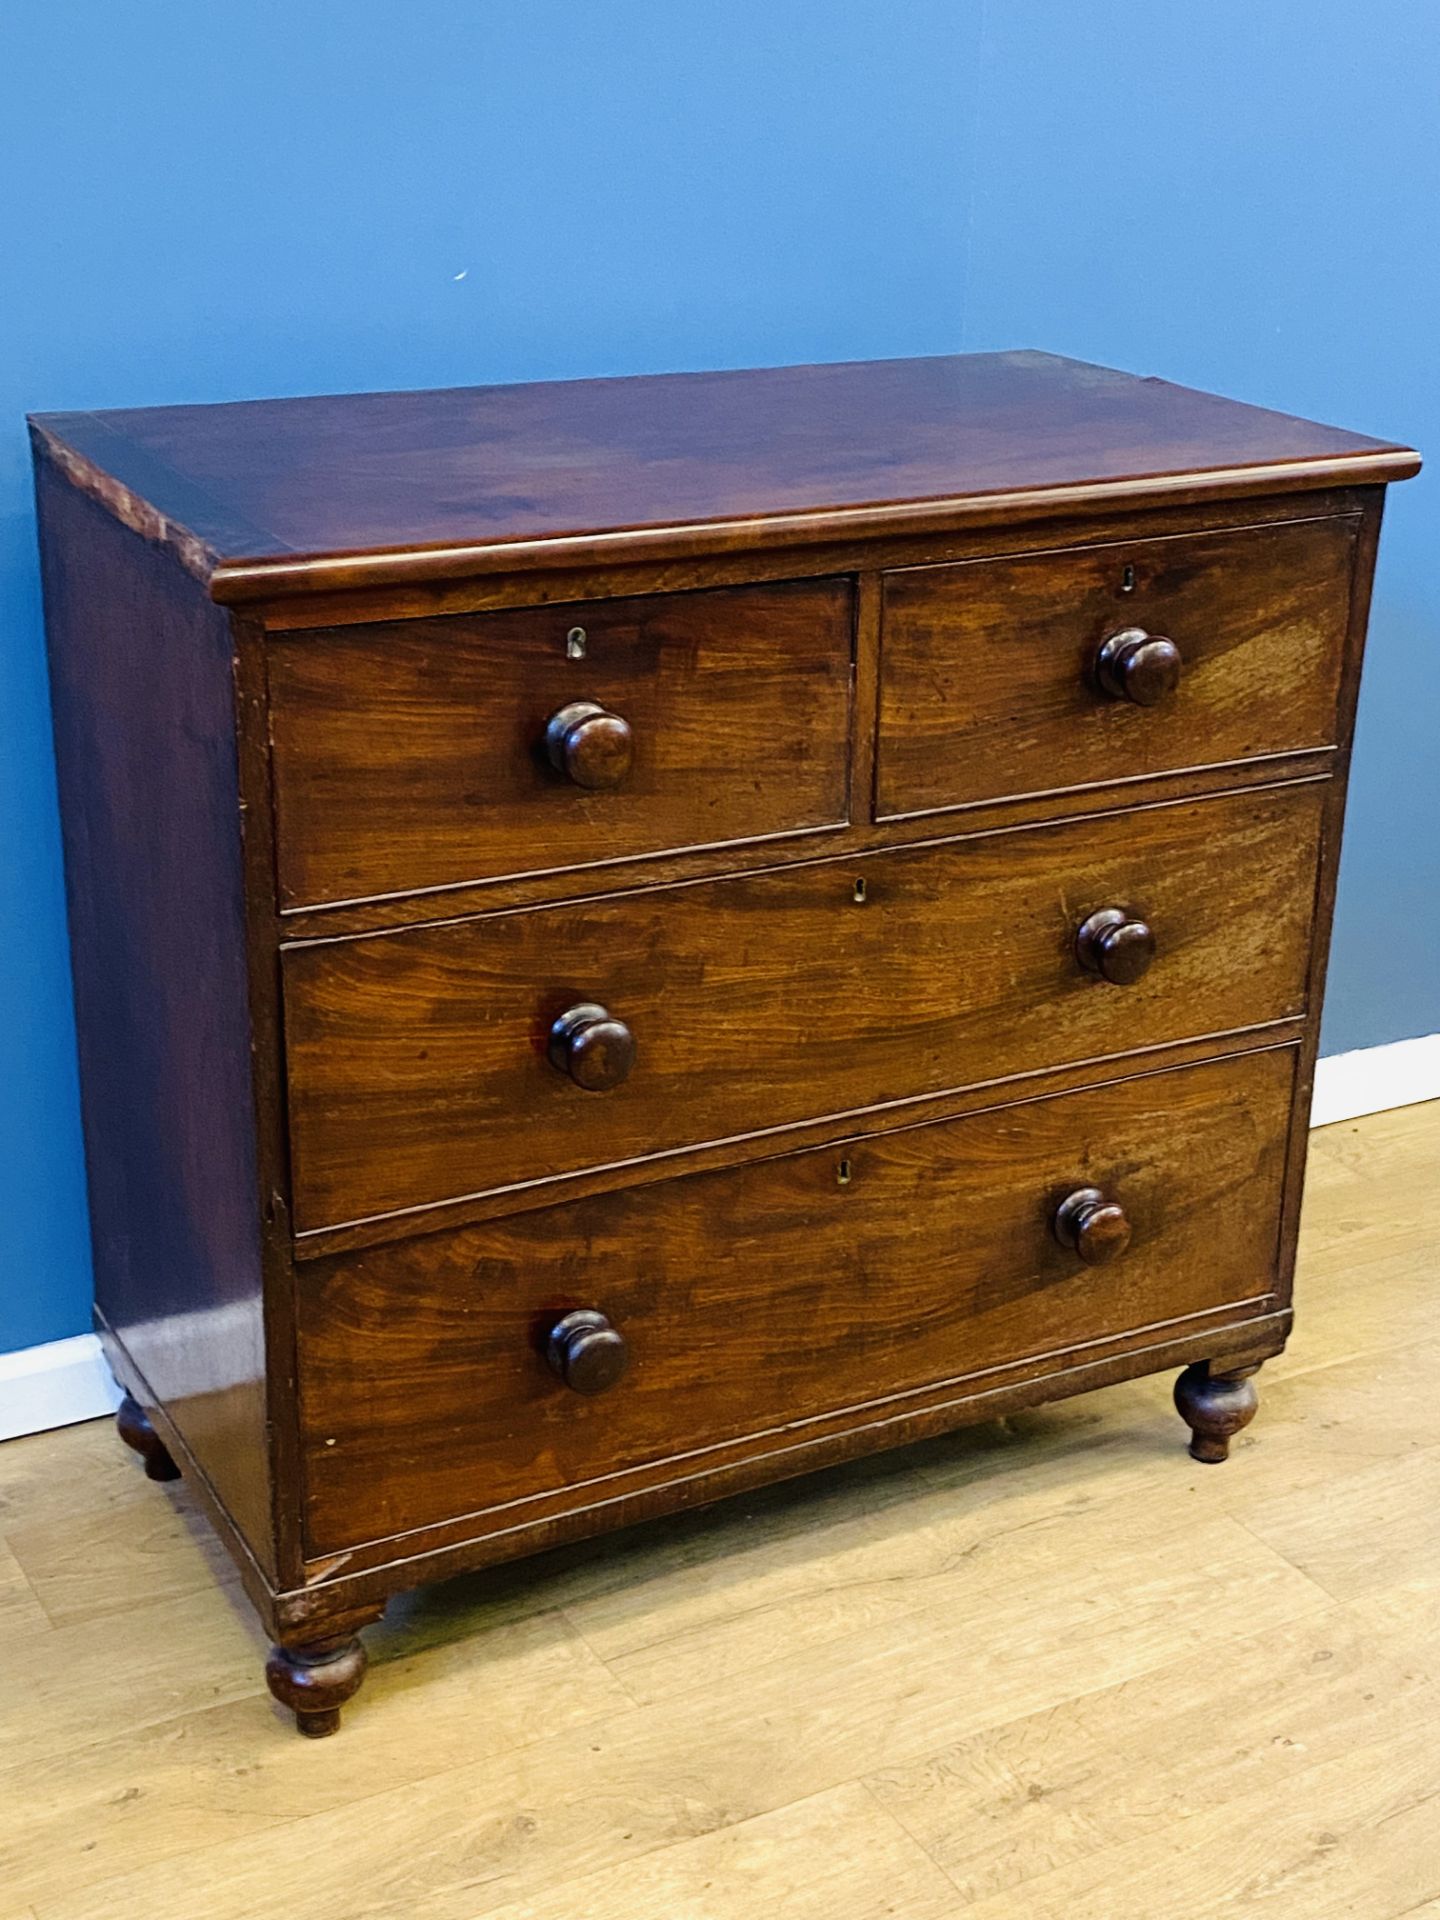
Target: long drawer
pixel 766 1304
pixel 461 1058
pixel 425 753
pixel 996 679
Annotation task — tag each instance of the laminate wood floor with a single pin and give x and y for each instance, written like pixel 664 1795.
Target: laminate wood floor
pixel 1043 1668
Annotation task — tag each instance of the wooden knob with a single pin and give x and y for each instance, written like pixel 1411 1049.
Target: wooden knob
pixel 1116 944
pixel 1139 666
pixel 586 1352
pixel 589 744
pixel 1092 1226
pixel 595 1050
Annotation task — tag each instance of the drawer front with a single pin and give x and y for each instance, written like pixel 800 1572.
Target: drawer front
pixel 991 685
pixel 418 753
pixel 760 1304
pixel 424 1064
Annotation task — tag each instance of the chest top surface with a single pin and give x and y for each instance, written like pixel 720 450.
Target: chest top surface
pixel 275 496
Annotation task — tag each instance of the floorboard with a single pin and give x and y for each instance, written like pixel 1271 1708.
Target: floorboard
pixel 1046 1667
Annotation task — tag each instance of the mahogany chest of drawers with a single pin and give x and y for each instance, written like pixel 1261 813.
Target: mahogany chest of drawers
pixel 636 937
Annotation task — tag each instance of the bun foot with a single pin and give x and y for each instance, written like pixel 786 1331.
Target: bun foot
pixel 315 1681
pixel 134 1428
pixel 1215 1403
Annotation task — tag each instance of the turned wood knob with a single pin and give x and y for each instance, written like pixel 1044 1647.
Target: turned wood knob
pixel 586 1352
pixel 1139 666
pixel 1115 943
pixel 589 744
pixel 1093 1226
pixel 596 1050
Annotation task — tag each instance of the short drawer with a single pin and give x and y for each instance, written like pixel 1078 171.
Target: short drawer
pixel 442 1061
pixel 768 1305
pixel 993 683
pixel 427 753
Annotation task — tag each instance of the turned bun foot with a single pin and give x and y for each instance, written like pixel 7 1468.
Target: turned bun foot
pixel 315 1681
pixel 1215 1403
pixel 136 1431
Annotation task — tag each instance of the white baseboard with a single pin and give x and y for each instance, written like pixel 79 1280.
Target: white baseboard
pixel 68 1380
pixel 54 1386
pixel 1376 1078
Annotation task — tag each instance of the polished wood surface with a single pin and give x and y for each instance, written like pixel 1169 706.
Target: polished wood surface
pixel 419 1062
pixel 978 1677
pixel 315 1681
pixel 595 1049
pixel 1117 944
pixel 667 934
pixel 586 1351
pixel 868 563
pixel 589 744
pixel 1095 1227
pixel 134 1427
pixel 991 675
pixel 278 496
pixel 145 748
pixel 1215 1402
pixel 416 755
pixel 845 1279
pixel 1136 665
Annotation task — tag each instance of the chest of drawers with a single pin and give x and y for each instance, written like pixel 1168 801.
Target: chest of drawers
pixel 633 938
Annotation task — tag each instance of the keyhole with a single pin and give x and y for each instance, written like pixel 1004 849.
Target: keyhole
pixel 842 1174
pixel 1127 580
pixel 575 644
pixel 857 893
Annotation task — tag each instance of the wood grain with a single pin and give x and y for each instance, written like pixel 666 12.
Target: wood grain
pixel 410 756
pixel 836 1853
pixel 988 682
pixel 496 1771
pixel 418 1061
pixel 345 975
pixel 1360 1535
pixel 137 1794
pixel 314 494
pixel 20 1608
pixel 161 1551
pixel 144 1666
pixel 1048 1790
pixel 1077 525
pixel 920 1256
pixel 1356 1834
pixel 590 1798
pixel 992 1495
pixel 143 700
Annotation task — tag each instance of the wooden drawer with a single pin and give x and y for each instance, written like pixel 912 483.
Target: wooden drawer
pixel 420 1061
pixel 414 754
pixel 769 1303
pixel 989 683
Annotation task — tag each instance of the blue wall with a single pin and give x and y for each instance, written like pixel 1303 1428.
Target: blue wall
pixel 265 198
pixel 1247 197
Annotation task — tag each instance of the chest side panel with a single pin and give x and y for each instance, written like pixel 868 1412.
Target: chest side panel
pixel 144 714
